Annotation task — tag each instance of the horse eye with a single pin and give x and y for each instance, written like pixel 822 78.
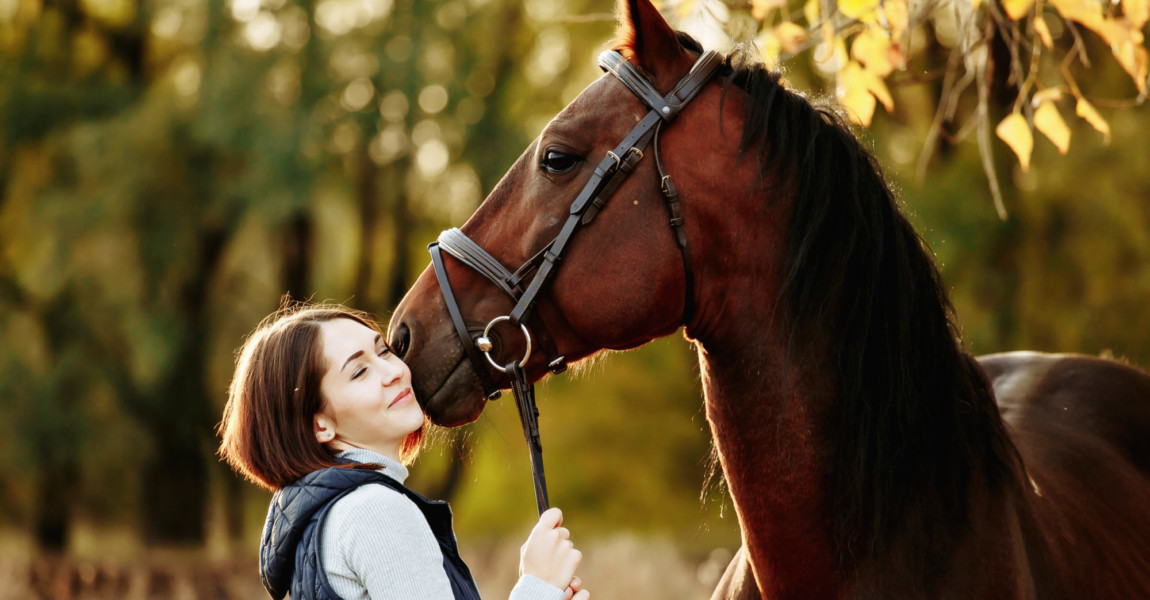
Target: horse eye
pixel 556 162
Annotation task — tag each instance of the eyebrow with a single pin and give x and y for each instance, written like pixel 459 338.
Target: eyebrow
pixel 358 354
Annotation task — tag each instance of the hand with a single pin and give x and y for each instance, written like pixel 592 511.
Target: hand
pixel 549 553
pixel 575 591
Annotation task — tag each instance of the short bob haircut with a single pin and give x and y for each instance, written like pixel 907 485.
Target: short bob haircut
pixel 267 432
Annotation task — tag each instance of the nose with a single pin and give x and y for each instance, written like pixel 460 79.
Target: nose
pixel 393 371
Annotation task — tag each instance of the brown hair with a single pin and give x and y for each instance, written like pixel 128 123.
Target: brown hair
pixel 267 432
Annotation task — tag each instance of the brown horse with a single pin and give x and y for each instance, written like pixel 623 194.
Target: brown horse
pixel 864 450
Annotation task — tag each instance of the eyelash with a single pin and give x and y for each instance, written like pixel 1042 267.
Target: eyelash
pixel 360 371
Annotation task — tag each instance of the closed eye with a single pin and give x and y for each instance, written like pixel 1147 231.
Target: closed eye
pixel 556 162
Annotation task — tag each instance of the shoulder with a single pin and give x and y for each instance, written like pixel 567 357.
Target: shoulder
pixel 373 505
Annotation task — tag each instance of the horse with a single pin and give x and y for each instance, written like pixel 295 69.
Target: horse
pixel 867 454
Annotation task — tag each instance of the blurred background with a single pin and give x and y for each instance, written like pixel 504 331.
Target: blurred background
pixel 169 169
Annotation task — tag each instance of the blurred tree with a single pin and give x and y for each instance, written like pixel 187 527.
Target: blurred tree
pixel 169 170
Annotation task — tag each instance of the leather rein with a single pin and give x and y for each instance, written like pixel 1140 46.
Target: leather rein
pixel 610 173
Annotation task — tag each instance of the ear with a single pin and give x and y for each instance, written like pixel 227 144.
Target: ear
pixel 323 427
pixel 645 39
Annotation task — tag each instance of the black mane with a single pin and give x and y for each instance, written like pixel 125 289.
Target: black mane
pixel 917 425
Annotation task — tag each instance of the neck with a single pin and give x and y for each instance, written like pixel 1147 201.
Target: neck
pixel 338 445
pixel 776 469
pixel 857 447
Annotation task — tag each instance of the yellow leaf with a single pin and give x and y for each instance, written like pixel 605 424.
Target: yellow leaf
pixel 761 8
pixel 811 12
pixel 791 36
pixel 1083 11
pixel 1087 112
pixel 1016 133
pixel 1043 32
pixel 1050 123
pixel 859 9
pixel 685 8
pixel 872 49
pixel 858 103
pixel 769 47
pixel 1137 12
pixel 1135 59
pixel 1016 9
pixel 1050 94
pixel 898 16
pixel 858 89
pixel 974 4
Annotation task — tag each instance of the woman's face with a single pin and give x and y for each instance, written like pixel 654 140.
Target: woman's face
pixel 368 402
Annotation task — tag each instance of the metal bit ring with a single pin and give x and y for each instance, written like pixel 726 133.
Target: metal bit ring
pixel 484 343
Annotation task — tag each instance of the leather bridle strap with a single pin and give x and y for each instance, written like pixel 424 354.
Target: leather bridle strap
pixel 608 175
pixel 490 389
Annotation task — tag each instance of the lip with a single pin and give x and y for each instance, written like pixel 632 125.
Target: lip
pixel 403 398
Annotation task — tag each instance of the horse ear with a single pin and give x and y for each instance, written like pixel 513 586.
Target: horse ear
pixel 645 38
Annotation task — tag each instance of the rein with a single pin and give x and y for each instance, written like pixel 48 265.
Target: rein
pixel 610 173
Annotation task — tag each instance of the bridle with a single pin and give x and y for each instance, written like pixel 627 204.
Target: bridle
pixel 610 173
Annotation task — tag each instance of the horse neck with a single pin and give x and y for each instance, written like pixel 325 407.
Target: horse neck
pixel 769 430
pixel 773 404
pixel 768 418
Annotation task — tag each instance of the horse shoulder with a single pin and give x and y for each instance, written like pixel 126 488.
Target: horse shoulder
pixel 1082 427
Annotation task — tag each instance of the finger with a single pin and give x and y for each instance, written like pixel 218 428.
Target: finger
pixel 576 583
pixel 563 532
pixel 571 561
pixel 568 594
pixel 582 595
pixel 550 519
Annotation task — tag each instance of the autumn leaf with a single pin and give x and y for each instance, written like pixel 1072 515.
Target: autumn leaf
pixel 858 103
pixel 898 16
pixel 1016 133
pixel 769 47
pixel 872 48
pixel 1136 60
pixel 862 10
pixel 761 8
pixel 858 89
pixel 1083 11
pixel 685 8
pixel 811 12
pixel 1137 12
pixel 1087 112
pixel 1048 120
pixel 1050 94
pixel 1043 32
pixel 790 35
pixel 1016 9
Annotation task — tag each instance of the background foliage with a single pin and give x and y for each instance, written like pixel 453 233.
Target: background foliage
pixel 170 168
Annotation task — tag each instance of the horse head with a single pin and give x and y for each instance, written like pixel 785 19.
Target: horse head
pixel 622 280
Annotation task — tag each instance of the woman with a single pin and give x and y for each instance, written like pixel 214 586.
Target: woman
pixel 321 412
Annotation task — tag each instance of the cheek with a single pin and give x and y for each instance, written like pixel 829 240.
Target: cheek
pixel 615 290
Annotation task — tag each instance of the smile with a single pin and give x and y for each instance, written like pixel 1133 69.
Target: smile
pixel 403 398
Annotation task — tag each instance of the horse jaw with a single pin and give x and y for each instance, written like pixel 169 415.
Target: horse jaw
pixel 443 381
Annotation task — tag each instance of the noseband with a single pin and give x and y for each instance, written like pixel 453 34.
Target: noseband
pixel 612 170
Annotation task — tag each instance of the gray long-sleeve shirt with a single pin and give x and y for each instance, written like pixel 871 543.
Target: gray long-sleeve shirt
pixel 377 545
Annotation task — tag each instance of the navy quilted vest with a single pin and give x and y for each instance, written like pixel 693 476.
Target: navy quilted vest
pixel 290 553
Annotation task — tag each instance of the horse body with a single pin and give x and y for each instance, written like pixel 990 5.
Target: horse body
pixel 864 451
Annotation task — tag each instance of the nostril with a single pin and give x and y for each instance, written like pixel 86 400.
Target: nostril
pixel 401 340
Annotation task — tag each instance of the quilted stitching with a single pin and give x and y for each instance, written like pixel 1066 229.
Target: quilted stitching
pixel 291 516
pixel 288 555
